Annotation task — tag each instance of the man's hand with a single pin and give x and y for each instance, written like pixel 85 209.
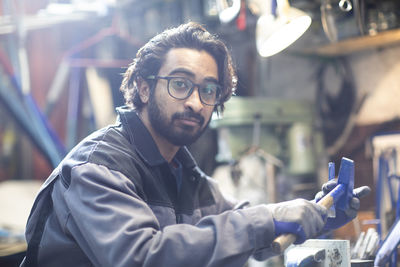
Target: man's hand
pixel 300 217
pixel 342 216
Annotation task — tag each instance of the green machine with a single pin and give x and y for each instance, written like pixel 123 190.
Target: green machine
pixel 281 127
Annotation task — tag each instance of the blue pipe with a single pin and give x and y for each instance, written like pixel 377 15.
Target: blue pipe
pixel 42 127
pixel 10 101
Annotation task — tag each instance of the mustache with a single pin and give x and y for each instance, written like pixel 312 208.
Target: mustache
pixel 189 115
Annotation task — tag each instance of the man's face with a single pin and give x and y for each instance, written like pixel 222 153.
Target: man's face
pixel 181 122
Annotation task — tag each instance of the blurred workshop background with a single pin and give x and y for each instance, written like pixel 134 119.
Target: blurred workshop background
pixel 332 93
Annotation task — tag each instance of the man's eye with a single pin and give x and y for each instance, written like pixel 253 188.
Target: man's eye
pixel 179 84
pixel 209 89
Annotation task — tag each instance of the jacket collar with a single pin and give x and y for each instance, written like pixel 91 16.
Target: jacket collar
pixel 144 143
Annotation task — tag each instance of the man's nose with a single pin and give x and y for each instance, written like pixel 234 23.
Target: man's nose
pixel 193 101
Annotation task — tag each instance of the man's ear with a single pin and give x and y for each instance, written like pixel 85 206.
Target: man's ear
pixel 144 90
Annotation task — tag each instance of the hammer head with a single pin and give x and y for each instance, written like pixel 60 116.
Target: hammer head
pixel 346 178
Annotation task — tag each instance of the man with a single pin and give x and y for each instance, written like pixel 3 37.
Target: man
pixel 132 195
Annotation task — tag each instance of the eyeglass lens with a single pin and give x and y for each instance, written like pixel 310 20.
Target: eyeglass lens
pixel 181 88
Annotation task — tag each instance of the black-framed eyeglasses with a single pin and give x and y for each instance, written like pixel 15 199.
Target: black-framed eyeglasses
pixel 181 88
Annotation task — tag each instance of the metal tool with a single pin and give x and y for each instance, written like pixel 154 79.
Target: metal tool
pixel 354 253
pixel 228 13
pixel 362 251
pixel 372 246
pixel 340 196
pixel 345 5
pixel 328 21
pixel 319 252
pixel 304 256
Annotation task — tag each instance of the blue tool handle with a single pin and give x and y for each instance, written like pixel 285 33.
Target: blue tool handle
pixel 333 196
pixel 282 242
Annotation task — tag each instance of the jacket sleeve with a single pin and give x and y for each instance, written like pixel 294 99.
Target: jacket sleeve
pixel 114 227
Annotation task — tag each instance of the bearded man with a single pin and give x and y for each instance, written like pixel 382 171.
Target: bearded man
pixel 132 195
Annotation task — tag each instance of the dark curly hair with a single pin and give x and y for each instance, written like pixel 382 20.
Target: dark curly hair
pixel 150 58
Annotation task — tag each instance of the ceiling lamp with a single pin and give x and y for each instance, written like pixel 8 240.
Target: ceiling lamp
pixel 279 29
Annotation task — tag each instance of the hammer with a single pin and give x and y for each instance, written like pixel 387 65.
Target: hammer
pixel 340 196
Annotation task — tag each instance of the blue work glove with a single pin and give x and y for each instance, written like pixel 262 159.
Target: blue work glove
pixel 300 217
pixel 342 216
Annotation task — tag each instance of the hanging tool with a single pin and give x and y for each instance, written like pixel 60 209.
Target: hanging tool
pixel 328 21
pixel 340 196
pixel 345 5
pixel 227 12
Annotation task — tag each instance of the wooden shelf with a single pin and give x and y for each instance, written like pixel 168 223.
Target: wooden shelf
pixel 357 44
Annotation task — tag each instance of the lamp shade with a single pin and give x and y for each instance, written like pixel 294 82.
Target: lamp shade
pixel 275 33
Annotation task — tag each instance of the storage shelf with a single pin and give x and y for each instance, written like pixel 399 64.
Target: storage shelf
pixel 352 45
pixel 34 22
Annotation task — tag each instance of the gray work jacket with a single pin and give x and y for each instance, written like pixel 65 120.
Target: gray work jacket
pixel 113 201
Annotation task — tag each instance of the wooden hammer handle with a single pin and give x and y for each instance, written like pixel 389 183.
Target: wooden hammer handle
pixel 282 242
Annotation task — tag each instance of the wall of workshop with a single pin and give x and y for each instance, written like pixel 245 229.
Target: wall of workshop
pixel 375 76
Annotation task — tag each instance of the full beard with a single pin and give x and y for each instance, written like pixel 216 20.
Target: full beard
pixel 180 136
